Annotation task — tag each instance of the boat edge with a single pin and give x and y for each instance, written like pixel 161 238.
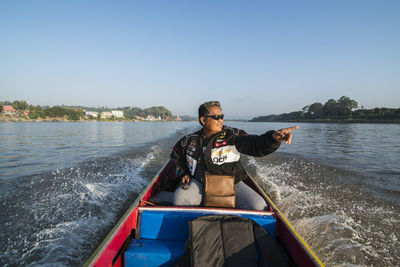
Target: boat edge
pixel 103 245
pixel 298 237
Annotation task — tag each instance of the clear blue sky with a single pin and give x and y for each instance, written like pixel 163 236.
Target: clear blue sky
pixel 256 57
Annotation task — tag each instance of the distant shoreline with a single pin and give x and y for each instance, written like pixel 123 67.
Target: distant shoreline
pixel 11 118
pixel 342 110
pixel 336 121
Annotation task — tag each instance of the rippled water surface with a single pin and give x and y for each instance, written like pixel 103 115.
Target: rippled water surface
pixel 64 185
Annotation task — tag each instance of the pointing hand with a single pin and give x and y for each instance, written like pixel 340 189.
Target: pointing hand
pixel 284 135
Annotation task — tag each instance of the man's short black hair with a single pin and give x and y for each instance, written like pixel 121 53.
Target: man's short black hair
pixel 205 108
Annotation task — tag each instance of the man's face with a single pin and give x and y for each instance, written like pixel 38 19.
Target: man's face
pixel 212 125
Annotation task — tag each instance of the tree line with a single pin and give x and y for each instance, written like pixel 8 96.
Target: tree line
pixel 343 109
pixel 77 112
pixel 156 111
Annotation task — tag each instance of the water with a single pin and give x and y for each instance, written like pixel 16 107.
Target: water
pixel 64 185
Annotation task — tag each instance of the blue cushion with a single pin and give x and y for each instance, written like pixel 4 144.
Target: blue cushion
pixel 173 225
pixel 146 253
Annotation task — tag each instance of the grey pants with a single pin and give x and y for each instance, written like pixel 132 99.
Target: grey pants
pixel 246 198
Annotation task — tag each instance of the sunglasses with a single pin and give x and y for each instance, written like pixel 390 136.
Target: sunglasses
pixel 216 117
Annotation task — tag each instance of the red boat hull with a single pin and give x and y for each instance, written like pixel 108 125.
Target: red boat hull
pixel 110 251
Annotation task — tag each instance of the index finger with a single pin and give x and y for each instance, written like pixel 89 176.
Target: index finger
pixel 292 128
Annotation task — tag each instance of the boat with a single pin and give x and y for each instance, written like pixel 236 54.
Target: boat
pixel 157 233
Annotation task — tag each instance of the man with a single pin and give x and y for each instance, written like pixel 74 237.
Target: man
pixel 216 149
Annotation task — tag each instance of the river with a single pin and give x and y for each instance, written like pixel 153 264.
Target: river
pixel 64 185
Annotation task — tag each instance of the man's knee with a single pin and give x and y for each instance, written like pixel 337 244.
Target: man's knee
pixel 260 205
pixel 252 204
pixel 247 198
pixel 183 198
pixel 189 197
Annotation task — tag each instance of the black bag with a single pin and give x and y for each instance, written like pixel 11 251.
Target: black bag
pixel 227 240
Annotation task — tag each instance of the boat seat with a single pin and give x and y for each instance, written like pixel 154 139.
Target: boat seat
pixel 172 223
pixel 149 252
pixel 163 231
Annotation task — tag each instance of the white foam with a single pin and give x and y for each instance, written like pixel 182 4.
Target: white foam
pixel 78 208
pixel 338 222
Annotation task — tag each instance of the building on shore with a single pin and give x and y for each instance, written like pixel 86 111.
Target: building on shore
pixel 106 115
pixel 8 109
pixel 150 118
pixel 117 113
pixel 91 113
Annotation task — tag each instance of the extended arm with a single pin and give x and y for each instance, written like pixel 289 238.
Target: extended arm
pixel 261 145
pixel 257 145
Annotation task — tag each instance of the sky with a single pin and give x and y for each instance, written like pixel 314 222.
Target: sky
pixel 256 57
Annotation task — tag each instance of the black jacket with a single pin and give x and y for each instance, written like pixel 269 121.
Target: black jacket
pixel 222 153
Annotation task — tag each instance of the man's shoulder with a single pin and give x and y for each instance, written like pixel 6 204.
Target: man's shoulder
pixel 234 131
pixel 185 140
